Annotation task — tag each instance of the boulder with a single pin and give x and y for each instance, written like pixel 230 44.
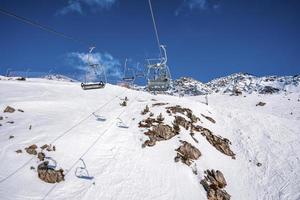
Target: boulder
pixel 31 149
pixel 187 153
pixel 41 156
pixel 50 175
pixel 9 109
pixel 214 184
pixel 260 103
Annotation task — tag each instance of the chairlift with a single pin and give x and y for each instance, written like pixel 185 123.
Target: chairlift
pixel 82 172
pixel 129 75
pixel 159 77
pixel 121 124
pixel 98 71
pixel 139 72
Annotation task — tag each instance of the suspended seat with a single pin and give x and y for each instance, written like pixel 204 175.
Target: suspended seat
pixel 90 86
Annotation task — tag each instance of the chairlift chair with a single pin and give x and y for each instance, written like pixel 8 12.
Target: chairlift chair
pixel 129 75
pixel 98 70
pixel 159 77
pixel 139 73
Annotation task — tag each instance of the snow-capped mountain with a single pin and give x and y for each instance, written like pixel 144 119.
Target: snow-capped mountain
pixel 237 84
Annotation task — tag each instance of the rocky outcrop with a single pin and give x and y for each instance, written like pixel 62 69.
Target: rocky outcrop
pixel 49 174
pixel 159 104
pixel 41 156
pixel 187 153
pixel 220 143
pixel 214 184
pixel 159 133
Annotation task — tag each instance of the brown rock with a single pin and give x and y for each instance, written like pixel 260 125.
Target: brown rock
pixel 187 153
pixel 48 174
pixel 31 149
pixel 41 156
pixel 181 121
pixel 44 146
pixel 146 110
pixel 221 144
pixel 160 118
pixel 9 109
pixel 214 183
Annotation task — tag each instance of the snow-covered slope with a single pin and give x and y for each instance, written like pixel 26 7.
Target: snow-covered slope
pixel 85 128
pixel 239 82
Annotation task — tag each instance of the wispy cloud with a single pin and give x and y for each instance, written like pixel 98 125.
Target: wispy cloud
pixel 78 6
pixel 198 5
pixel 81 61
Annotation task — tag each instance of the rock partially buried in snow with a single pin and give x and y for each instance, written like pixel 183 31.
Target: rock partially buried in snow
pixel 187 153
pixel 31 149
pixel 9 109
pixel 260 103
pixel 158 133
pixel 214 183
pixel 50 175
pixel 221 144
pixel 209 118
pixel 41 156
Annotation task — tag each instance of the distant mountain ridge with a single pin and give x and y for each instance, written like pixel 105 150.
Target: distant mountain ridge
pixel 236 84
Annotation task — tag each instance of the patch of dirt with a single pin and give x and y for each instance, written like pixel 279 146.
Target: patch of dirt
pixel 9 109
pixel 48 174
pixel 187 153
pixel 214 184
pixel 209 118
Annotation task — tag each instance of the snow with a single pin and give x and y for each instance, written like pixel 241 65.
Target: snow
pixel 83 125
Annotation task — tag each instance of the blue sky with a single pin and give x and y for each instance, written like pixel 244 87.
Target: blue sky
pixel 205 39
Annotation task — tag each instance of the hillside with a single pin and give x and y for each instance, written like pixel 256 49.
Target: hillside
pixel 109 151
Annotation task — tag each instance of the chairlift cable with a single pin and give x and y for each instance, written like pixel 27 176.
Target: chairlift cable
pixel 42 27
pixel 155 28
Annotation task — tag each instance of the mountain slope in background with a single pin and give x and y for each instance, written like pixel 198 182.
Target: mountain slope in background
pixel 237 83
pixel 99 142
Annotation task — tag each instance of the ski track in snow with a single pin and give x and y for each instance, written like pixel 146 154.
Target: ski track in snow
pixel 113 156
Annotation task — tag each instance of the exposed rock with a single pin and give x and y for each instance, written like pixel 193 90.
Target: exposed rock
pixel 1 118
pixel 236 92
pixel 19 151
pixel 213 183
pixel 10 122
pixel 21 79
pixel 124 103
pixel 187 153
pixel 160 118
pixel 221 144
pixel 146 110
pixel 44 146
pixel 48 147
pixel 48 174
pixel 179 109
pixel 260 103
pixel 208 118
pixel 159 104
pixel 31 149
pixel 41 156
pixel 158 133
pixel 181 121
pixel 258 164
pixel 151 114
pixel 11 137
pixel 32 167
pixel 9 109
pixel 30 127
pixel 269 90
pixel 20 110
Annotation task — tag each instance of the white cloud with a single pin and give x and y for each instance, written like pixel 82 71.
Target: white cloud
pixel 111 65
pixel 77 6
pixel 200 5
